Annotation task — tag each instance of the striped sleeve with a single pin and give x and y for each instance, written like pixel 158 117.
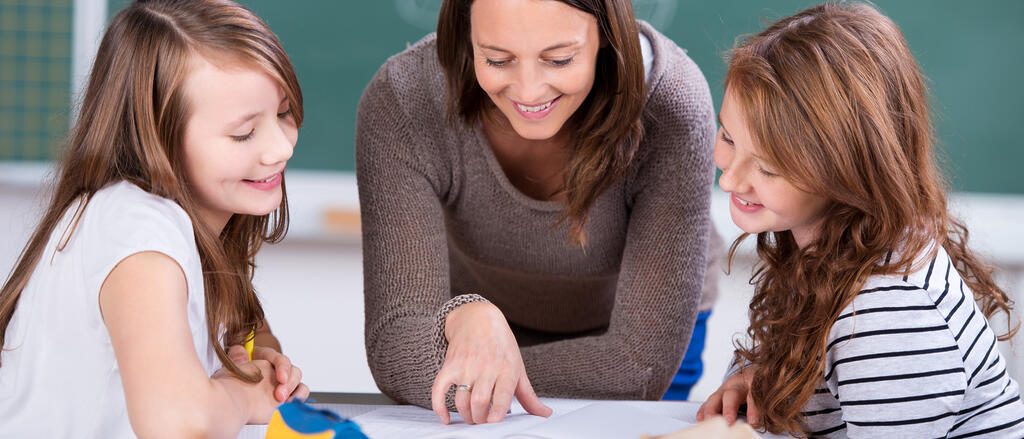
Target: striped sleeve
pixel 894 366
pixel 735 366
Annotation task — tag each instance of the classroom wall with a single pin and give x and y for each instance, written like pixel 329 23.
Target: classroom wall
pixel 972 53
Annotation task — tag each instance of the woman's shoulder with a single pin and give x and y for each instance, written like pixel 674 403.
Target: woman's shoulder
pixel 678 104
pixel 678 116
pixel 422 53
pixel 402 113
pixel 674 75
pixel 662 45
pixel 412 79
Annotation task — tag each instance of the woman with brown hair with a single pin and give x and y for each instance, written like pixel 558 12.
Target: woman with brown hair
pixel 869 315
pixel 134 294
pixel 534 182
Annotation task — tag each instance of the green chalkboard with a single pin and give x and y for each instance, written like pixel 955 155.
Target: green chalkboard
pixel 35 77
pixel 972 53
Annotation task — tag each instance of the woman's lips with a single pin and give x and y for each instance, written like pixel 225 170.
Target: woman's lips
pixel 536 112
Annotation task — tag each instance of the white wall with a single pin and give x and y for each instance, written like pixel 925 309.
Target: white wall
pixel 311 284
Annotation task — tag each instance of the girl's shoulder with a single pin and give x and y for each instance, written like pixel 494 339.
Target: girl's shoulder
pixel 123 219
pixel 930 271
pixel 125 192
pixel 123 203
pixel 905 300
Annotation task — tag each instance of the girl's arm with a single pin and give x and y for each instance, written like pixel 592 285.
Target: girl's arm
pixel 167 391
pixel 266 338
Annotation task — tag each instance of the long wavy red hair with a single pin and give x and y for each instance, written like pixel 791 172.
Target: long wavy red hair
pixel 838 106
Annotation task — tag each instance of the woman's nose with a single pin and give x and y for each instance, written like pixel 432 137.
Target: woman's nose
pixel 531 86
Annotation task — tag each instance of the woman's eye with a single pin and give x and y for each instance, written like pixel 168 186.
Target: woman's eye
pixel 244 137
pixel 562 62
pixel 494 63
pixel 766 173
pixel 284 114
pixel 726 139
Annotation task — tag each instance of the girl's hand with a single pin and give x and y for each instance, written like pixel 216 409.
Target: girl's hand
pixel 482 353
pixel 258 398
pixel 289 377
pixel 727 399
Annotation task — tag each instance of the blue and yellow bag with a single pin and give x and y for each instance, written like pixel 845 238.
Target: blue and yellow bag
pixel 298 420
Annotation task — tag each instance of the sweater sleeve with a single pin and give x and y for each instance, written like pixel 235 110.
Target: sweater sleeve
pixel 663 263
pixel 405 258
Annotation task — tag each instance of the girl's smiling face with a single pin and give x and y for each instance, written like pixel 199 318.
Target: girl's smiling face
pixel 535 59
pixel 238 137
pixel 760 199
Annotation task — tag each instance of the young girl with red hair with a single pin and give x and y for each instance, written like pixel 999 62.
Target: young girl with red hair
pixel 869 316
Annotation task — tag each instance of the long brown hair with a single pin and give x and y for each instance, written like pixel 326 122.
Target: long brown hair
pixel 131 127
pixel 837 104
pixel 608 123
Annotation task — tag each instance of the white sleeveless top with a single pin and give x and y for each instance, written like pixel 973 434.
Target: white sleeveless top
pixel 59 377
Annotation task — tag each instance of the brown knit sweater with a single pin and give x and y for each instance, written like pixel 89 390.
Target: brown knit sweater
pixel 443 226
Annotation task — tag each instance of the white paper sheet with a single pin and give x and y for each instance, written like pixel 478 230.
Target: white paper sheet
pixel 571 419
pixel 602 420
pixel 404 422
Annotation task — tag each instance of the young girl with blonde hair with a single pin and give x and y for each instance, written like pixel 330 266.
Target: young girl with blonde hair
pixel 125 312
pixel 869 316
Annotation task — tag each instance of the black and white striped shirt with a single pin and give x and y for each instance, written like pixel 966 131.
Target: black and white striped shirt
pixel 914 357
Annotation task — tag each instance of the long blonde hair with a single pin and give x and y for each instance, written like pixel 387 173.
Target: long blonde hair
pixel 132 122
pixel 838 105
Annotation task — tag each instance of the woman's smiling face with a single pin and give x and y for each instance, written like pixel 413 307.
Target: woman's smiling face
pixel 536 59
